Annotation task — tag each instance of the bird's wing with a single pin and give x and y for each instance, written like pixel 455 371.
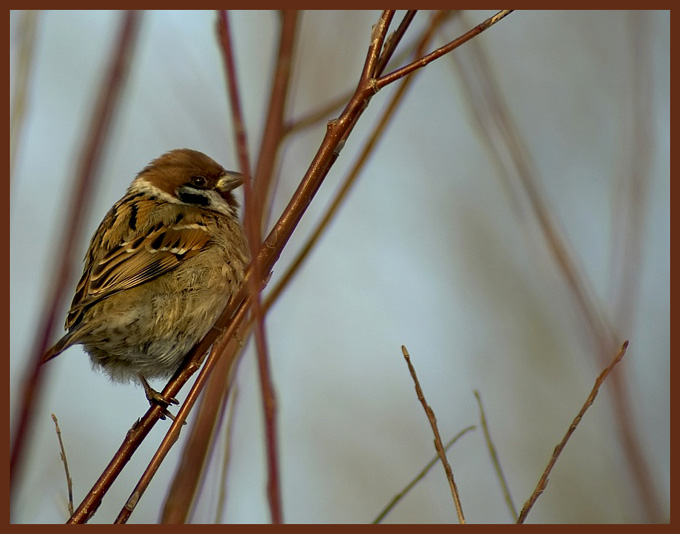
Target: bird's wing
pixel 134 261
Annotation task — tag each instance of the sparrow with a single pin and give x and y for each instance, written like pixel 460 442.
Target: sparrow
pixel 159 271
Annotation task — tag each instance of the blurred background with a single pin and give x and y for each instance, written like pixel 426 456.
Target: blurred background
pixel 436 248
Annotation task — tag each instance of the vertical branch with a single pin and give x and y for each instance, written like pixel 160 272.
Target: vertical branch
pixel 179 498
pixel 274 130
pixel 26 30
pixel 252 226
pixel 94 142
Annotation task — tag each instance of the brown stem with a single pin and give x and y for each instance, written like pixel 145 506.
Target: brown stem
pixel 253 222
pixel 494 459
pixel 274 129
pixel 361 160
pixel 437 438
pixel 543 482
pixel 395 500
pixel 420 63
pixel 95 140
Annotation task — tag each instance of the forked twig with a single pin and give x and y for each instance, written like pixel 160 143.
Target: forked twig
pixel 437 438
pixel 395 500
pixel 357 167
pixel 543 482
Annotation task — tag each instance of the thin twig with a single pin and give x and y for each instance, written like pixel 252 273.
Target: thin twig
pixel 222 495
pixel 323 112
pixel 392 42
pixel 495 460
pixel 420 63
pixel 437 438
pixel 95 139
pixel 543 482
pixel 395 500
pixel 64 460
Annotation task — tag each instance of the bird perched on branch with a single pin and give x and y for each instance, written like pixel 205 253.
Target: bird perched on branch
pixel 160 270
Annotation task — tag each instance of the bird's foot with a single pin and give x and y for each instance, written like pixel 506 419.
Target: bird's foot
pixel 154 397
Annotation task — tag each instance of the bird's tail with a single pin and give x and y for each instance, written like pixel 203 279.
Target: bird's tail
pixel 59 347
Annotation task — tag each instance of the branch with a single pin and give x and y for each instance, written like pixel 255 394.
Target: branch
pixel 361 160
pixel 543 482
pixel 395 500
pixel 64 460
pixel 420 63
pixel 437 438
pixel 253 223
pixel 94 141
pixel 495 460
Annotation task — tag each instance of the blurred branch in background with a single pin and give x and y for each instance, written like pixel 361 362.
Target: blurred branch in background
pixel 509 151
pixel 92 151
pixel 26 35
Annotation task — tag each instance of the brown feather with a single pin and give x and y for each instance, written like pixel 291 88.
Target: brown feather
pixel 141 254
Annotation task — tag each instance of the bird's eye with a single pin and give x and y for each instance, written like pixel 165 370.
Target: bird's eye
pixel 198 181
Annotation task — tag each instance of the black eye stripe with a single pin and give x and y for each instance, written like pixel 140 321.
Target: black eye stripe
pixel 186 195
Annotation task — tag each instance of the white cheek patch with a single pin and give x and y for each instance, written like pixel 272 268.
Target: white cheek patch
pixel 141 185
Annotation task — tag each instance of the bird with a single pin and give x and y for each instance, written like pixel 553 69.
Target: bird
pixel 159 271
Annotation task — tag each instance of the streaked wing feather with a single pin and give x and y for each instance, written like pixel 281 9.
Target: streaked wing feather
pixel 136 262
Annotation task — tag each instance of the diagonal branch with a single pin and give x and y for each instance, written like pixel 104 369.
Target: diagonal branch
pixel 362 158
pixel 420 63
pixel 437 438
pixel 543 482
pixel 395 500
pixel 494 459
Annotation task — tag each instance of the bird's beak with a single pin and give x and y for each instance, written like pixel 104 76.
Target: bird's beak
pixel 230 181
